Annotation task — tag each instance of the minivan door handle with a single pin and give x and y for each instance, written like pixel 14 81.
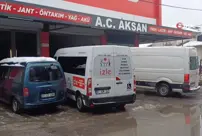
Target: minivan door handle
pixel 119 83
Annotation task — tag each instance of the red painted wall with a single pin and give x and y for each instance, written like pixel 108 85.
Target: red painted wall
pixel 145 8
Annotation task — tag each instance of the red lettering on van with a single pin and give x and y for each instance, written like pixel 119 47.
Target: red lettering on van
pixel 105 72
pixel 79 82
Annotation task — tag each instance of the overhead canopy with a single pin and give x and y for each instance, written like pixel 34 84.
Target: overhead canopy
pixel 128 37
pixel 150 38
pixel 123 29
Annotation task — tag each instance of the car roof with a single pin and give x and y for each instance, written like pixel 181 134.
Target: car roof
pixel 21 61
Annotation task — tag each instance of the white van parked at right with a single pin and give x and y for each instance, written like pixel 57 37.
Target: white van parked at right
pixel 166 69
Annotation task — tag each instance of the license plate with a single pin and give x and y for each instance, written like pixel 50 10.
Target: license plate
pixel 102 92
pixel 48 95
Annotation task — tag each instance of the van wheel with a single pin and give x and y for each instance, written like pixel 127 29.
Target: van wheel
pixel 16 106
pixel 79 103
pixel 163 89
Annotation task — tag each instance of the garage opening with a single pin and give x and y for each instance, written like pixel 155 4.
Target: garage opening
pixel 5 44
pixel 26 44
pixel 21 44
pixel 62 36
pixel 58 41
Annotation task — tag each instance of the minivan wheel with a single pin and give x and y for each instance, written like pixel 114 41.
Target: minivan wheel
pixel 79 103
pixel 16 106
pixel 163 89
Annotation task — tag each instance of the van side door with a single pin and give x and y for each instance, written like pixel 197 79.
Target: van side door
pixel 124 84
pixel 103 73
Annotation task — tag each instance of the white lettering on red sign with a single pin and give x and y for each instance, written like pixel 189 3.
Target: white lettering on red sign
pixel 6 7
pixel 32 11
pixel 26 10
pixel 169 31
pixel 51 14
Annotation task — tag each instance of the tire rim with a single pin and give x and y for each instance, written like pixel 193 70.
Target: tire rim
pixel 15 105
pixel 79 102
pixel 163 90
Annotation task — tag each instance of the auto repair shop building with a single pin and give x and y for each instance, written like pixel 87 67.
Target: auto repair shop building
pixel 40 27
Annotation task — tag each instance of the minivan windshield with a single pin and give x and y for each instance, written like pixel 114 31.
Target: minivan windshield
pixel 44 73
pixel 194 63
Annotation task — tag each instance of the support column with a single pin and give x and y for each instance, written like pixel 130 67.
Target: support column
pixel 44 36
pixel 136 42
pixel 159 12
pixel 103 39
pixel 13 51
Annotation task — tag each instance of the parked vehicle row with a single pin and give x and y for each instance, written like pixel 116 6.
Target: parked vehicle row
pixel 97 76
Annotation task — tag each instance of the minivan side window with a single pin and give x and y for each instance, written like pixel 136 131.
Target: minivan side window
pixel 4 71
pixel 16 74
pixel 73 65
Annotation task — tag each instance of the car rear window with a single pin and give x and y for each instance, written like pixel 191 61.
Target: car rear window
pixel 44 73
pixel 194 63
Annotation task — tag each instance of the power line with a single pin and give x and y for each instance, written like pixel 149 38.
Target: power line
pixel 171 6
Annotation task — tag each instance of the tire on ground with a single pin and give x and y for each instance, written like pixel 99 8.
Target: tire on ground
pixel 163 89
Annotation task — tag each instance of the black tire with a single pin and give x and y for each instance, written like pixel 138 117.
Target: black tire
pixel 79 103
pixel 164 89
pixel 16 106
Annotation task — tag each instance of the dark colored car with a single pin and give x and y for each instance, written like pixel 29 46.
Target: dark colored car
pixel 31 82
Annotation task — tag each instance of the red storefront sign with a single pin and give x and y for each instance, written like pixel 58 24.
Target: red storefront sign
pixel 147 8
pixel 43 13
pixel 169 31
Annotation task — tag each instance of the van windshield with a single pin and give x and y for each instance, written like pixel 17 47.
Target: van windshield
pixel 194 63
pixel 44 73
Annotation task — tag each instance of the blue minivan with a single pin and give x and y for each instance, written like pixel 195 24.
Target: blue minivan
pixel 30 82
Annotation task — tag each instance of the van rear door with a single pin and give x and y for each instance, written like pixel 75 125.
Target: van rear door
pixel 103 72
pixel 45 83
pixel 193 72
pixel 124 83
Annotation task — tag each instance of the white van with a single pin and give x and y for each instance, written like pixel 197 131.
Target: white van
pixel 166 69
pixel 98 75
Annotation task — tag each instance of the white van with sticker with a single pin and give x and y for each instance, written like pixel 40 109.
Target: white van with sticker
pixel 167 69
pixel 98 75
